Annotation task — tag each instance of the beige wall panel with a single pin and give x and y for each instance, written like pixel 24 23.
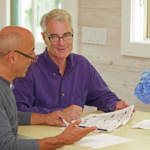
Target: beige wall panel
pixel 113 39
pixel 105 55
pixel 99 18
pixel 121 73
pixel 111 4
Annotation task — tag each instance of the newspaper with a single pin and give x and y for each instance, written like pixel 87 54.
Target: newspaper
pixel 145 124
pixel 108 121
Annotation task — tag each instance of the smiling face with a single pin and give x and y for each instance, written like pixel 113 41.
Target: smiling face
pixel 58 50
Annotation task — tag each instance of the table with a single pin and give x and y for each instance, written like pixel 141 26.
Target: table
pixel 141 137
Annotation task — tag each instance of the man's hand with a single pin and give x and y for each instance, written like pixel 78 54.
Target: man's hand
pixel 73 133
pixel 52 119
pixel 72 112
pixel 55 118
pixel 70 135
pixel 120 105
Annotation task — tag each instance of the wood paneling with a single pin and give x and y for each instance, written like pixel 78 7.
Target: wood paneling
pixel 96 4
pixel 121 73
pixel 100 17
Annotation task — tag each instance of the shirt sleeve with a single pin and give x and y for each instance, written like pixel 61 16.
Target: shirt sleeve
pixel 99 94
pixel 23 89
pixel 8 139
pixel 24 118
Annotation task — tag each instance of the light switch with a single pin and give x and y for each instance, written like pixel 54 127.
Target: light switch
pixel 94 35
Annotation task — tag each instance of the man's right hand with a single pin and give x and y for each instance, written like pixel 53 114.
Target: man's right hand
pixel 73 133
pixel 69 136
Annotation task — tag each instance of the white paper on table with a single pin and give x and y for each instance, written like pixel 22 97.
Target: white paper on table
pixel 109 121
pixel 102 140
pixel 145 124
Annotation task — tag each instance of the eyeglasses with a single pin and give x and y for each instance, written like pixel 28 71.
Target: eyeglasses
pixel 55 37
pixel 26 55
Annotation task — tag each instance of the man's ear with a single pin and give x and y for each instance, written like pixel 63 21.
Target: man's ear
pixel 11 57
pixel 46 40
pixel 43 36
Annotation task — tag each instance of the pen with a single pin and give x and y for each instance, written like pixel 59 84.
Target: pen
pixel 65 122
pixel 97 129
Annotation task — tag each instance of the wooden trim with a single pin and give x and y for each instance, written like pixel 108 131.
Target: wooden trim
pixel 148 19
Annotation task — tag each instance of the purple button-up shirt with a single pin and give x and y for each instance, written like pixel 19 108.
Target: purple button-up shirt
pixel 44 90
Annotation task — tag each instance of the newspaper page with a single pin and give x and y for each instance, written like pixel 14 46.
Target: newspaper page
pixel 108 121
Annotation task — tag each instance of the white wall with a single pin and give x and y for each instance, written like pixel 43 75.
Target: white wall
pixel 4 11
pixel 121 73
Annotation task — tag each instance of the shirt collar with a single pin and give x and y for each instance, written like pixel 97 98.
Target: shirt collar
pixel 5 81
pixel 47 62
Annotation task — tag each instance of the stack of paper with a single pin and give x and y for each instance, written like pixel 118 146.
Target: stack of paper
pixel 102 140
pixel 145 124
pixel 108 121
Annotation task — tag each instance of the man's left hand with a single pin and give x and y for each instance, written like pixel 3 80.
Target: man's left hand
pixel 53 119
pixel 73 112
pixel 120 105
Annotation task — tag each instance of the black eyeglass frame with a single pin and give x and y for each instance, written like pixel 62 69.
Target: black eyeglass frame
pixel 59 37
pixel 26 55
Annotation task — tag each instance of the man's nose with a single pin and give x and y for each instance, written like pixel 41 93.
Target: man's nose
pixel 61 41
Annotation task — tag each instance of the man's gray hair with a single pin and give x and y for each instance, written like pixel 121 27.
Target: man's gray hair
pixel 57 14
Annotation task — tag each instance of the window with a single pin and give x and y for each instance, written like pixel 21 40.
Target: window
pixel 148 19
pixel 4 11
pixel 28 13
pixel 135 28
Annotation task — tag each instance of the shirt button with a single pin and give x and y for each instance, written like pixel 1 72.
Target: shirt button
pixel 63 94
pixel 54 74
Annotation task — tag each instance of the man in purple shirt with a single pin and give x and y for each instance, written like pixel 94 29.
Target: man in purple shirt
pixel 61 80
pixel 16 54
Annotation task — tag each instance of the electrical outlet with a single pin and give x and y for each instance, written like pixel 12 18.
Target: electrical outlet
pixel 94 35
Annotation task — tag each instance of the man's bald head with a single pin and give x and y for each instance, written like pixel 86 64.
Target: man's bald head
pixel 16 51
pixel 12 37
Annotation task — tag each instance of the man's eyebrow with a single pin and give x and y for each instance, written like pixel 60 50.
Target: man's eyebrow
pixel 58 34
pixel 52 33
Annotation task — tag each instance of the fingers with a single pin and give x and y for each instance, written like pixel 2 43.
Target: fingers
pixel 73 133
pixel 63 119
pixel 120 105
pixel 86 129
pixel 89 129
pixel 55 118
pixel 76 123
pixel 73 112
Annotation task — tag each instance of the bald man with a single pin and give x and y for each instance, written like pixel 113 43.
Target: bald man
pixel 16 54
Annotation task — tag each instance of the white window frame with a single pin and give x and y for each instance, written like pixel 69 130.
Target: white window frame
pixel 70 5
pixel 128 47
pixel 4 11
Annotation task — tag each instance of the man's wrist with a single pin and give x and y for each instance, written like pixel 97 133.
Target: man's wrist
pixel 38 118
pixel 51 143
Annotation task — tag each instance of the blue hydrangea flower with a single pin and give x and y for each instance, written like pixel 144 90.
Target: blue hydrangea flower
pixel 142 90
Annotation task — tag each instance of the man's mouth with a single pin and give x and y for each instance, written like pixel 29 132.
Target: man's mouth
pixel 61 49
